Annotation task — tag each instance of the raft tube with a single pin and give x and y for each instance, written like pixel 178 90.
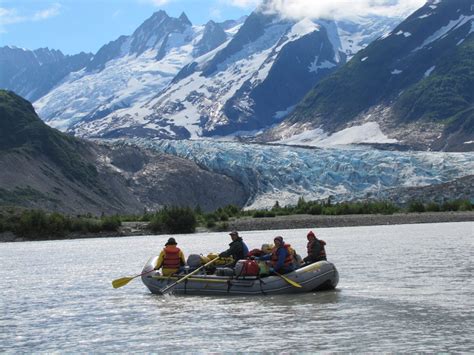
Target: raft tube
pixel 322 275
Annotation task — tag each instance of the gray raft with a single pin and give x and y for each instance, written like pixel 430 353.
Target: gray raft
pixel 322 275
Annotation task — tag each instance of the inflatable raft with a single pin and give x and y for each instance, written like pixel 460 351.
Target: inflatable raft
pixel 322 275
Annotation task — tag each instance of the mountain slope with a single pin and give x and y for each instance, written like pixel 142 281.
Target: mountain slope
pixel 128 71
pixel 33 74
pixel 417 84
pixel 43 168
pixel 247 83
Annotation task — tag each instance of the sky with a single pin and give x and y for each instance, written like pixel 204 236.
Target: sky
pixel 74 26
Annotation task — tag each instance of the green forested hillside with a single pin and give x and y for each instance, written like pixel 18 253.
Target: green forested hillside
pixel 22 130
pixel 447 94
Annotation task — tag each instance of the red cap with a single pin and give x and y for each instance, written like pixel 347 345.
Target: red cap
pixel 311 234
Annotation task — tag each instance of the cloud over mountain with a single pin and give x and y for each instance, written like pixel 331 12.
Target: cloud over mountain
pixel 340 9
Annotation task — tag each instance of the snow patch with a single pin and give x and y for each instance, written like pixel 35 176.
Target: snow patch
pixel 314 67
pixel 444 31
pixel 303 28
pixel 396 72
pixel 364 59
pixel 429 71
pixel 279 115
pixel 406 34
pixel 367 133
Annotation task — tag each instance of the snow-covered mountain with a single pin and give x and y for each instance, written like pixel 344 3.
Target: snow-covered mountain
pixel 174 80
pixel 129 71
pixel 33 74
pixel 281 173
pixel 413 86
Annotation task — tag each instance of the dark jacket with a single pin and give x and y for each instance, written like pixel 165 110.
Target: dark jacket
pixel 237 249
pixel 316 251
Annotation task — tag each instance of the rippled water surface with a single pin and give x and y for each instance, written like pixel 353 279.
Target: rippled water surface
pixel 402 289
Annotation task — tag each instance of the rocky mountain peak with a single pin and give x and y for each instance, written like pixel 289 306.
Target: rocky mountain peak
pixel 253 28
pixel 154 32
pixel 213 36
pixel 210 26
pixel 46 55
pixel 184 19
pixel 156 18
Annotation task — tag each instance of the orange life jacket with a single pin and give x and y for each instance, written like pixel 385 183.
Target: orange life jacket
pixel 289 257
pixel 171 260
pixel 322 251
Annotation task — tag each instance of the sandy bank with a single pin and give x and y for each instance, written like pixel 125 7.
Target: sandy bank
pixel 310 221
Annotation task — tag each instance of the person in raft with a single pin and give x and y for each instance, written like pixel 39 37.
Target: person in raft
pixel 171 258
pixel 237 248
pixel 316 251
pixel 281 257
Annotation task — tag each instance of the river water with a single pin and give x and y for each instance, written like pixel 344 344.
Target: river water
pixel 405 288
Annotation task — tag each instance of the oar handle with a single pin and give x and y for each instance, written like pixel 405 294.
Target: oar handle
pixel 188 275
pixel 144 273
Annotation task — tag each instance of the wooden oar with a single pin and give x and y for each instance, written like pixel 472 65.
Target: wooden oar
pixel 291 282
pixel 163 291
pixel 125 280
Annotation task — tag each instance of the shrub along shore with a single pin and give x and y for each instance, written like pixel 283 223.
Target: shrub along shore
pixel 39 225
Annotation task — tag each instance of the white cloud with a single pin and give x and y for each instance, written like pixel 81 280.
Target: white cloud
pixel 244 3
pixel 11 16
pixel 338 9
pixel 52 11
pixel 157 3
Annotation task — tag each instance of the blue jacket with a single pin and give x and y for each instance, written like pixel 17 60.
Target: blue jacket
pixel 282 253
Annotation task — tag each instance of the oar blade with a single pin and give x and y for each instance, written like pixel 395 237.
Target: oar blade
pixel 293 283
pixel 121 282
pixel 290 281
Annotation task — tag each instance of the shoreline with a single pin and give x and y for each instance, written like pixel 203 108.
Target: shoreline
pixel 130 229
pixel 326 221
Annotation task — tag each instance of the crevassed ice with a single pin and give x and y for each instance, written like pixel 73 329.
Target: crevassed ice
pixel 285 173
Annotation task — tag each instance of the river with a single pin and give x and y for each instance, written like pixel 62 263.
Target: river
pixel 403 288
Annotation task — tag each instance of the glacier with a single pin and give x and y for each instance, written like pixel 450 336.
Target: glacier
pixel 284 173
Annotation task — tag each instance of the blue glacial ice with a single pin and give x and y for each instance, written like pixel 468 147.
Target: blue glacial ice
pixel 283 173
